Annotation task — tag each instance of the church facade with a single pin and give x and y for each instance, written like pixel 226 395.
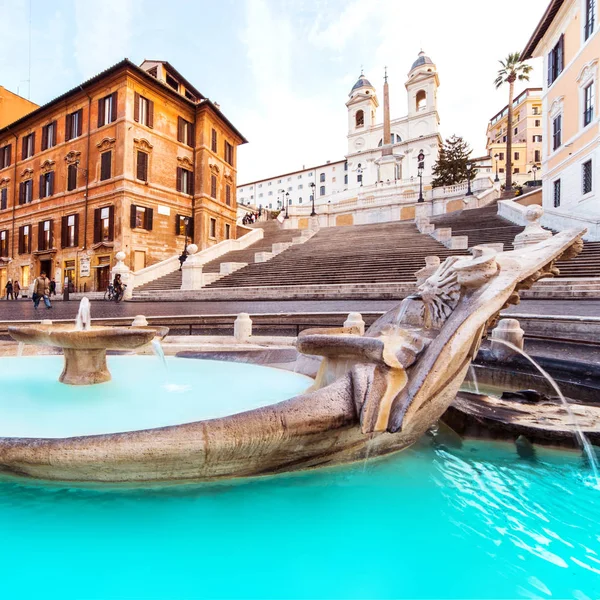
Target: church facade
pixel 372 157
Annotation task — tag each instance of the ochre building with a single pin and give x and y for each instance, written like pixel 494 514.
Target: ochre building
pixel 135 159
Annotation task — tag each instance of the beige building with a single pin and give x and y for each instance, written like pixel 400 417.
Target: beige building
pixel 527 136
pixel 13 107
pixel 568 40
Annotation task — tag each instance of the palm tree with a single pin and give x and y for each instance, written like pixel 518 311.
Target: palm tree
pixel 512 70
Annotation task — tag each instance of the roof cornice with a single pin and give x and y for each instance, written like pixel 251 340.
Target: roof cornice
pixel 541 29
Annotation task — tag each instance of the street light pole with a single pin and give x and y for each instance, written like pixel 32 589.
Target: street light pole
pixel 313 187
pixel 469 168
pixel 420 167
pixel 534 168
pixel 287 201
pixel 496 156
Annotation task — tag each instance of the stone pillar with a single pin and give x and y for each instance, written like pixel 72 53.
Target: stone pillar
pixel 126 276
pixel 191 270
pixel 139 321
pixel 507 330
pixel 242 327
pixel 355 320
pixel 534 232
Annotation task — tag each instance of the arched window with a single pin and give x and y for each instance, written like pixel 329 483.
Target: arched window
pixel 395 139
pixel 360 118
pixel 421 100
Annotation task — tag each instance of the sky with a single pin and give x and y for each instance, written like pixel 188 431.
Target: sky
pixel 280 69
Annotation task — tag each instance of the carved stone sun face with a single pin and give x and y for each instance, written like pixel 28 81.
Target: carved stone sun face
pixel 440 293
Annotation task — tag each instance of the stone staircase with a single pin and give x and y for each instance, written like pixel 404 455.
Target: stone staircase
pixel 273 234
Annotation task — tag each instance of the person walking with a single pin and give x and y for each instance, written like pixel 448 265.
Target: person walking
pixel 9 290
pixel 16 289
pixel 41 289
pixel 52 288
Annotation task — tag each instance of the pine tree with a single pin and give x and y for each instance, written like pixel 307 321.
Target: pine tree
pixel 451 165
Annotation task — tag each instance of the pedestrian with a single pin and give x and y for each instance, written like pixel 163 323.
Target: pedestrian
pixel 52 288
pixel 182 258
pixel 9 290
pixel 16 289
pixel 41 289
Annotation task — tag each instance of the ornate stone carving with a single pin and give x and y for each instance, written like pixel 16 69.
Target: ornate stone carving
pixel 440 293
pixel 4 181
pixel 556 107
pixel 534 232
pixel 27 173
pixel 185 162
pixel 106 144
pixel 73 157
pixel 588 72
pixel 142 144
pixel 47 166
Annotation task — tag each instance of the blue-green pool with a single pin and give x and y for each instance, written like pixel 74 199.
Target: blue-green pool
pixel 425 523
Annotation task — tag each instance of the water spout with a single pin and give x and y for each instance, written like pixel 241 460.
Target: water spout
pixel 20 349
pixel 585 443
pixel 474 379
pixel 83 322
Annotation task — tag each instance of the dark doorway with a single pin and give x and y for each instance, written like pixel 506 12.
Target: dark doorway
pixel 46 267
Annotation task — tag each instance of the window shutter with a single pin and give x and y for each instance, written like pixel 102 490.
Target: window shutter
pixel 191 183
pixel 150 114
pixel 33 143
pixel 24 148
pixel 142 166
pixel 132 212
pixel 9 152
pixel 136 107
pixel 76 236
pixel 97 228
pixel 51 183
pixel 21 192
pixel 63 232
pixel 51 233
pixel 100 112
pixel 561 54
pixel 68 128
pixel 179 176
pixel 41 186
pixel 113 108
pixel 149 218
pixel 105 165
pixel 40 236
pixel 190 228
pixel 20 240
pixel 29 239
pixel 177 221
pixel 55 132
pixel 191 135
pixel 7 246
pixel 80 122
pixel 180 126
pixel 111 223
pixel 45 137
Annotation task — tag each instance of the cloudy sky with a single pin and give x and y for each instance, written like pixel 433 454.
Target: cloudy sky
pixel 280 69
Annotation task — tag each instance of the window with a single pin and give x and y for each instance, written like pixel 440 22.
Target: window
pixel 537 156
pixel 300 176
pixel 289 178
pixel 71 177
pixel 45 235
pixel 322 177
pixel 279 181
pixel 290 189
pixel 504 139
pixel 5 156
pixel 4 243
pixel 322 190
pixel 142 166
pixel 537 138
pixel 517 156
pixel 227 231
pixel 300 187
pixel 501 170
pixel 185 132
pixel 26 191
pixel 28 146
pixel 143 110
pixel 3 198
pixel 516 130
pixel 359 178
pixel 501 157
pixel 69 231
pixel 104 224
pixel 106 165
pixel 25 239
pixel 228 195
pixel 46 184
pixel 360 118
pixel 73 125
pixel 228 153
pixel 556 59
pixel 537 123
pixel 212 232
pixel 300 200
pixel 213 141
pixel 557 132
pixel 516 170
pixel 421 100
pixel 587 176
pixel 185 181
pixel 346 179
pixel 590 10
pixel 180 228
pixel 172 82
pixel 270 194
pixel 588 104
pixel 107 109
pixel 49 135
pixel 141 217
pixel 536 110
pixel 556 194
pixel 213 186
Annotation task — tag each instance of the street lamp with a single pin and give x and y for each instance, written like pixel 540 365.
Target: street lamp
pixel 186 222
pixel 359 173
pixel 287 201
pixel 496 156
pixel 469 169
pixel 312 197
pixel 534 168
pixel 420 168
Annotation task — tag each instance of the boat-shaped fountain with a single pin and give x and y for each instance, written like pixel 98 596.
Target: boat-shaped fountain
pixel 374 394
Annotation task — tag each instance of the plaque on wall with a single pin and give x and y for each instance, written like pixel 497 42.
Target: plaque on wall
pixel 164 210
pixel 84 266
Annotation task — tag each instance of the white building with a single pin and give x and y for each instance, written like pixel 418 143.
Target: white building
pixel 410 135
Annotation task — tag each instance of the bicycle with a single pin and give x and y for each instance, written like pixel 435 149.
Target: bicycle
pixel 112 294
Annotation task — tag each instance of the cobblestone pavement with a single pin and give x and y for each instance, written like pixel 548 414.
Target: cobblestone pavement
pixel 23 309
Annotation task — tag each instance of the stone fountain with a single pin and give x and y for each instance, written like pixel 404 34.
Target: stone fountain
pixel 374 394
pixel 84 346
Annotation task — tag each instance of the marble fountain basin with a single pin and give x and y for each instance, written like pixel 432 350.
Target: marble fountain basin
pixel 375 394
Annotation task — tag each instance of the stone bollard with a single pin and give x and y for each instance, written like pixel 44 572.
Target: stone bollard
pixel 534 232
pixel 242 327
pixel 139 321
pixel 191 270
pixel 507 330
pixel 355 320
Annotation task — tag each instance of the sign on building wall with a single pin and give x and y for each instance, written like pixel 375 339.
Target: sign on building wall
pixel 164 210
pixel 84 266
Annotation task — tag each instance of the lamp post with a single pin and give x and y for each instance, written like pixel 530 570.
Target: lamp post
pixel 287 201
pixel 313 187
pixel 469 169
pixel 534 168
pixel 496 157
pixel 359 173
pixel 420 167
pixel 186 222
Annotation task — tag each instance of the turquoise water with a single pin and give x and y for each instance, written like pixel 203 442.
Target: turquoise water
pixel 141 395
pixel 425 523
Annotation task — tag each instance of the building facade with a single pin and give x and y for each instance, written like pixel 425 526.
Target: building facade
pixel 527 135
pixel 134 159
pixel 13 106
pixel 568 40
pixel 335 181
